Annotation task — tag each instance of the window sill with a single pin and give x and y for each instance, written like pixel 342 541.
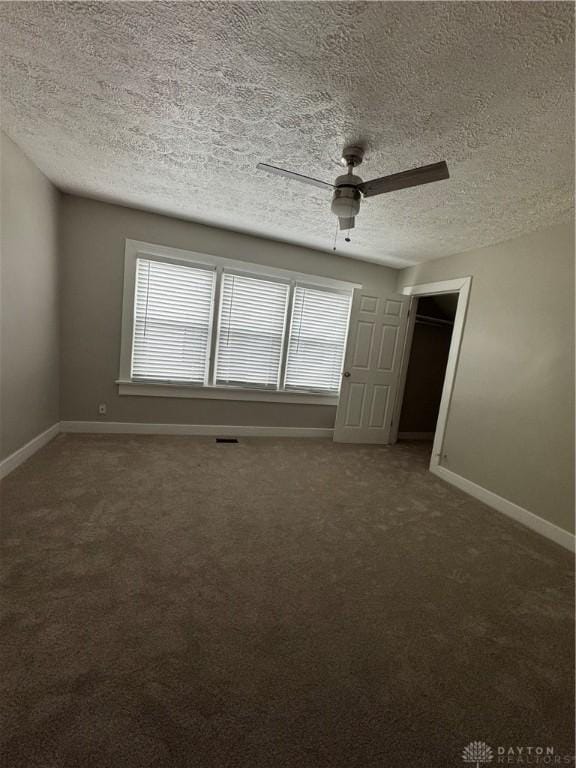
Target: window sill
pixel 222 393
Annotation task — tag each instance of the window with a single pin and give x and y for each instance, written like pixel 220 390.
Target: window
pixel 317 339
pixel 172 314
pixel 219 325
pixel 251 331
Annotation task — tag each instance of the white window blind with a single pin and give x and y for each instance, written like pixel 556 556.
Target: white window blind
pixel 317 339
pixel 172 320
pixel 251 331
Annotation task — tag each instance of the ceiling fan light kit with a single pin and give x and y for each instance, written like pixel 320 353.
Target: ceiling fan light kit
pixel 349 188
pixel 346 197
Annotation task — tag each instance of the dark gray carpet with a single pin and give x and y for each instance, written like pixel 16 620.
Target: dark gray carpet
pixel 175 603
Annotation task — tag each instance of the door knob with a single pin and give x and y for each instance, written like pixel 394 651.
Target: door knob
pixel 347 374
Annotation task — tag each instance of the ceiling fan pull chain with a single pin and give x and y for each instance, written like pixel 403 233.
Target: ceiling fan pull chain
pixel 335 235
pixel 347 238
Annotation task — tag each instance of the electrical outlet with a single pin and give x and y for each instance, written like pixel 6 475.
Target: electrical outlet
pixel 102 409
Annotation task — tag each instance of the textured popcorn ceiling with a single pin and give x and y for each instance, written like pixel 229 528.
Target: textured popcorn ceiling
pixel 169 106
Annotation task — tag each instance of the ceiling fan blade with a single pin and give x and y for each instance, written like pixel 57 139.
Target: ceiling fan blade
pixel 346 223
pixel 292 175
pixel 411 178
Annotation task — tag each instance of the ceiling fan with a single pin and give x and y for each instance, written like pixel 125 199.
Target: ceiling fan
pixel 349 188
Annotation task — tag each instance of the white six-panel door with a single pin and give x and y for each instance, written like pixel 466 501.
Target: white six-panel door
pixel 371 368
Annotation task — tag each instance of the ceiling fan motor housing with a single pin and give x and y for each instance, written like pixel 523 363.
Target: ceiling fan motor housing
pixel 346 197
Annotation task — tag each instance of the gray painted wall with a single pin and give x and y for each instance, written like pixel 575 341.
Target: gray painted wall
pixel 511 421
pixel 93 235
pixel 29 332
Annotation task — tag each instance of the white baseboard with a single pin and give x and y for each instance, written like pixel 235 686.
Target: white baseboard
pixel 416 436
pixel 200 430
pixel 22 454
pixel 521 515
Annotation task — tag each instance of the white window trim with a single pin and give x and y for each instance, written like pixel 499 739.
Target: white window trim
pixel 126 386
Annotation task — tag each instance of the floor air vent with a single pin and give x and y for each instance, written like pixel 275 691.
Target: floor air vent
pixel 226 439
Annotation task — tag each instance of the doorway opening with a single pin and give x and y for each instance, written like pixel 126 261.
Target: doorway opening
pixel 460 286
pixel 426 365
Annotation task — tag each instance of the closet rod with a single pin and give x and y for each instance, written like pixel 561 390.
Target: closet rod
pixel 434 320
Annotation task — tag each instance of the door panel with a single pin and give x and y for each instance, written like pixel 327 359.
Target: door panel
pixel 379 403
pixel 368 303
pixel 355 404
pixel 371 368
pixel 394 308
pixel 363 346
pixel 388 346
